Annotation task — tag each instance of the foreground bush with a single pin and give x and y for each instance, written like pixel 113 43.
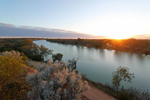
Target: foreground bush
pixel 55 82
pixel 13 85
pixel 11 67
pixel 15 91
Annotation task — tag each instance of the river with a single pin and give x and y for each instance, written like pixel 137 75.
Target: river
pixel 98 64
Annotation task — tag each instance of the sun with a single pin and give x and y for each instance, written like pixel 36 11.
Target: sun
pixel 116 26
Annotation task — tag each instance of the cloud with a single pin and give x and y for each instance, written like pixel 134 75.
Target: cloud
pixel 144 36
pixel 9 30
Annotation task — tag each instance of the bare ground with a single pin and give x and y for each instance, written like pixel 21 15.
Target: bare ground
pixel 95 94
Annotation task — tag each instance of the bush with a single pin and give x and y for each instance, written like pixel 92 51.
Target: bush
pixel 133 94
pixel 125 95
pixel 15 91
pixel 11 67
pixel 55 82
pixel 13 85
pixel 57 57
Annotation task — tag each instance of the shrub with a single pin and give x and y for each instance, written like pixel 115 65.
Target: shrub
pixel 54 81
pixel 139 94
pixel 72 64
pixel 11 67
pixel 133 94
pixel 13 85
pixel 15 91
pixel 57 57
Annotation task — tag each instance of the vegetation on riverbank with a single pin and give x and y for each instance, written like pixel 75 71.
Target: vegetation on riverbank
pixel 121 74
pixel 24 46
pixel 122 93
pixel 125 45
pixel 51 80
pixel 14 70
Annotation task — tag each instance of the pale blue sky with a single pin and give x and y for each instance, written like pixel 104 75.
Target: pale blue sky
pixel 100 17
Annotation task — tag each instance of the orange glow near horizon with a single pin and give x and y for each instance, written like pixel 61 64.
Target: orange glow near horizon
pixel 120 36
pixel 116 36
pixel 116 26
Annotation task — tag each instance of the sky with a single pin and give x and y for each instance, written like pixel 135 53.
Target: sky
pixel 112 18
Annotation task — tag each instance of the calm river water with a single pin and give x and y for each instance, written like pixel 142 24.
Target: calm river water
pixel 98 64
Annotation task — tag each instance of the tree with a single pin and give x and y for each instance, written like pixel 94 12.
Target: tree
pixel 35 52
pixel 121 74
pixel 45 51
pixel 57 57
pixel 54 81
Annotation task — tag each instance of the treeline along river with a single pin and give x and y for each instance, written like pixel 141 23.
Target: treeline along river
pixel 98 64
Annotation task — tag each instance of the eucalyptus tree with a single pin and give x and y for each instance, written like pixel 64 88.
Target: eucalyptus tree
pixel 121 74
